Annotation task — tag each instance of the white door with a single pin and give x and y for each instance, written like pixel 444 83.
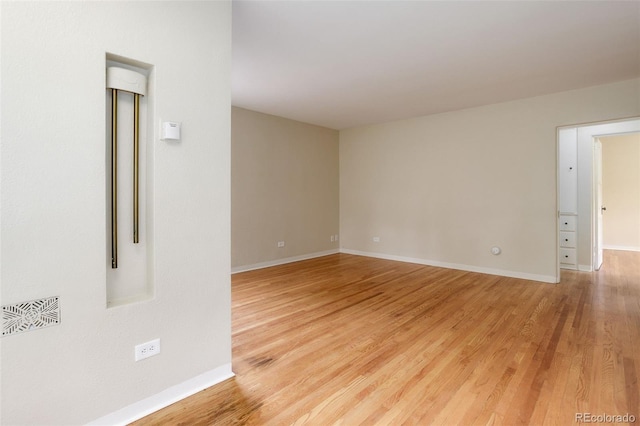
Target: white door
pixel 599 208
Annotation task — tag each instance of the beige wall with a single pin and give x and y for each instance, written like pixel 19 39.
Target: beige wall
pixel 53 227
pixel 444 189
pixel 284 187
pixel 621 191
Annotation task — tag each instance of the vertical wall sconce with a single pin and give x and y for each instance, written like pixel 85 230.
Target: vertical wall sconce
pixel 121 79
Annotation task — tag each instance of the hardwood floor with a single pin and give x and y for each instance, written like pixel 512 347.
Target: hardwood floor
pixel 352 340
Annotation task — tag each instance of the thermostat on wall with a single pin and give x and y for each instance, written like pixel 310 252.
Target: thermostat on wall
pixel 170 131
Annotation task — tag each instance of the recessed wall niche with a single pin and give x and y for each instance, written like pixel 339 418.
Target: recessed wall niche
pixel 129 116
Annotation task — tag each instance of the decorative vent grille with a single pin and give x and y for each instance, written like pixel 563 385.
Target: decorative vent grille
pixel 30 315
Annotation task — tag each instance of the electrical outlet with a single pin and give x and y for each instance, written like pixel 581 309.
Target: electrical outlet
pixel 280 244
pixel 333 238
pixel 376 239
pixel 145 350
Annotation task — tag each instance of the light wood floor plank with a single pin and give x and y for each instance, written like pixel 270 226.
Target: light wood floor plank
pixel 351 340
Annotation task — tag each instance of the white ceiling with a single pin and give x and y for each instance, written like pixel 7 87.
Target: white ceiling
pixel 342 64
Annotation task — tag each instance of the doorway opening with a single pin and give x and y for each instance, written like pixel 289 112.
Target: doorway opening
pixel 580 204
pixel 621 192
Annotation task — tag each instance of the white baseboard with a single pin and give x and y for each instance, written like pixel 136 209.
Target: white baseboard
pixel 286 260
pixel 165 398
pixel 461 267
pixel 622 248
pixel 585 268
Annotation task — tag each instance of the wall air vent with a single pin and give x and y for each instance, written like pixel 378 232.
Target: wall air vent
pixel 30 315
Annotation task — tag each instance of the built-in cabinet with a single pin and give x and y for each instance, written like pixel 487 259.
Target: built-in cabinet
pixel 568 197
pixel 568 239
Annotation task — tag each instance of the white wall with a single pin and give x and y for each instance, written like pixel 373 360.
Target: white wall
pixel 621 191
pixel 53 201
pixel 444 189
pixel 284 187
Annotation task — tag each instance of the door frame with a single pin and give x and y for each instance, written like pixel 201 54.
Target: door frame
pixel 597 204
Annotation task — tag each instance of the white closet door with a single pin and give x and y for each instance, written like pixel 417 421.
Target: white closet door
pixel 568 170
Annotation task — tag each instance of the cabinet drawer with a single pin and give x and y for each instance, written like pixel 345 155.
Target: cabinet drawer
pixel 568 255
pixel 568 239
pixel 567 223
